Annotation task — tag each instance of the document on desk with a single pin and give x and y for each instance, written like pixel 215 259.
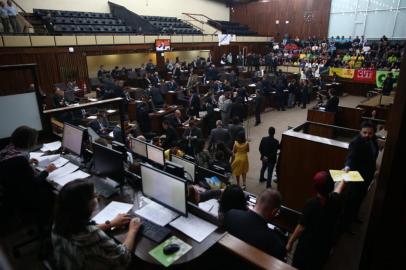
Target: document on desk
pixel 157 213
pixel 62 171
pixel 194 227
pixel 44 161
pixel 351 176
pixel 111 211
pixel 70 177
pixel 51 146
pixel 211 206
pixel 36 155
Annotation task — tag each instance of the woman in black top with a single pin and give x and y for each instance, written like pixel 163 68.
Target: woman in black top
pixel 317 227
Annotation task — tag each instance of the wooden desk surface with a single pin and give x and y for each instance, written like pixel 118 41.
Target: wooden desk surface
pixel 252 254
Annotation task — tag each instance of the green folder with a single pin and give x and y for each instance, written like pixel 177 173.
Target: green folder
pixel 167 260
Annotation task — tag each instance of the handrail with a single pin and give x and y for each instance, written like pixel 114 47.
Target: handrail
pixel 17 5
pixel 191 15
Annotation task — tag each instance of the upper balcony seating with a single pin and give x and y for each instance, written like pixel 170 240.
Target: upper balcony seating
pixel 232 28
pixel 171 25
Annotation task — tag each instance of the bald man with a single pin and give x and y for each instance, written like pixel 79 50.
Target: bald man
pixel 252 226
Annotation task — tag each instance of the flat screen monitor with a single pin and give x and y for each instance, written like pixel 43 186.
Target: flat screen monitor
pixel 202 173
pixel 72 138
pixel 164 188
pixel 155 154
pixel 108 162
pixel 188 166
pixel 11 116
pixel 162 45
pixel 139 147
pixel 174 169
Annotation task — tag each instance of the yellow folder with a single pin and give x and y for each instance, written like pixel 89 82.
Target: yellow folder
pixel 351 176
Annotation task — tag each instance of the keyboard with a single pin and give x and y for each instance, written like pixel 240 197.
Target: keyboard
pixel 105 187
pixel 73 159
pixel 153 232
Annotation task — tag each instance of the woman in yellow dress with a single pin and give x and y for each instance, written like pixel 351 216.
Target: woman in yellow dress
pixel 239 165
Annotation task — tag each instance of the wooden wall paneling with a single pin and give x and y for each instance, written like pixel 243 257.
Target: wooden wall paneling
pixel 299 160
pixel 261 17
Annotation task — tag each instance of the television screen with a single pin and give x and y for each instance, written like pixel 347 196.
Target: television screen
pixel 162 45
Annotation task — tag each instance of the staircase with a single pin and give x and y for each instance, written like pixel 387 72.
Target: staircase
pixel 36 23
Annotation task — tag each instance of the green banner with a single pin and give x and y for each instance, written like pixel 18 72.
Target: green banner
pixel 381 76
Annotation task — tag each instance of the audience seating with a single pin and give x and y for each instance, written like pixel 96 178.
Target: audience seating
pixel 232 28
pixel 171 25
pixel 81 22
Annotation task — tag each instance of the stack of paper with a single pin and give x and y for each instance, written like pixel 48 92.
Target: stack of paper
pixel 36 155
pixel 111 211
pixel 194 227
pixel 211 206
pixel 351 176
pixel 70 177
pixel 63 171
pixel 51 146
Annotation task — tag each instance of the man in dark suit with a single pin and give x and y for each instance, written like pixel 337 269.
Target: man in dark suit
pixel 191 136
pixel 388 84
pixel 251 226
pixel 219 135
pixel 362 154
pixel 332 102
pixel 156 97
pixel 172 86
pixel 258 106
pixel 171 137
pixel 233 129
pixel 194 104
pixel 268 148
pixel 177 119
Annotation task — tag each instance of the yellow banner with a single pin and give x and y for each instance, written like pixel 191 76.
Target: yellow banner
pixel 342 72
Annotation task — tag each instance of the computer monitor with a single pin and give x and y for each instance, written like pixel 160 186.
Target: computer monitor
pixel 120 147
pixel 202 173
pixel 188 166
pixel 72 138
pixel 164 188
pixel 139 147
pixel 189 158
pixel 155 154
pixel 218 169
pixel 174 169
pixel 108 162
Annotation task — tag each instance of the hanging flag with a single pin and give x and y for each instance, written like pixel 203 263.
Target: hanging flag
pixel 381 76
pixel 224 39
pixel 342 72
pixel 365 75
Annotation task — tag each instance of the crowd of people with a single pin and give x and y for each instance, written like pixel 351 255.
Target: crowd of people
pixel 324 216
pixel 8 16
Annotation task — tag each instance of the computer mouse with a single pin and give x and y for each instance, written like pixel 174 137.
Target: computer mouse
pixel 170 249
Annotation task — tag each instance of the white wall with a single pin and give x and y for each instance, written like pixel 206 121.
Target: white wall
pixel 174 8
pixel 371 18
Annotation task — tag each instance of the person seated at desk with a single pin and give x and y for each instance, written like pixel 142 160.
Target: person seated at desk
pixel 202 156
pixel 71 85
pixel 100 125
pixel 172 86
pixel 155 79
pixel 170 136
pixel 316 230
pixel 81 244
pixel 221 161
pixel 332 103
pixel 24 188
pixel 177 119
pixel 58 100
pixel 173 151
pixel 252 226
